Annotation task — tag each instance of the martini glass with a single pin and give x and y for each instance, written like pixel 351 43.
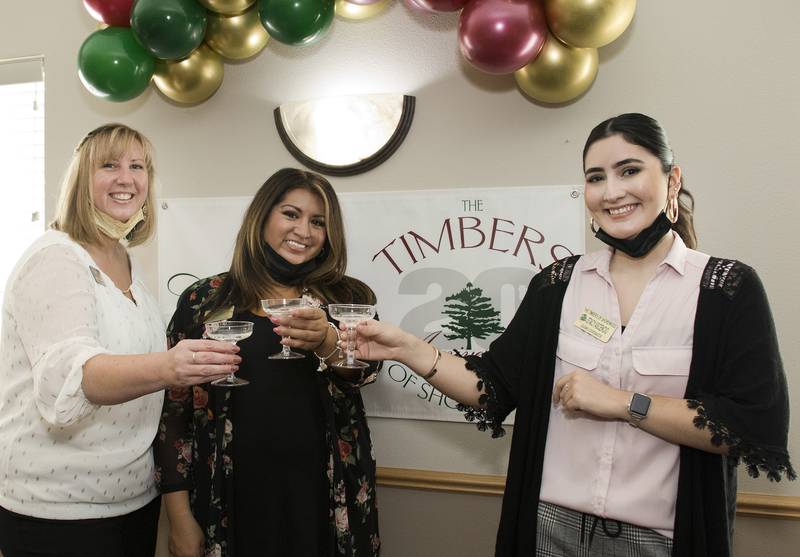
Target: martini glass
pixel 351 315
pixel 233 332
pixel 279 307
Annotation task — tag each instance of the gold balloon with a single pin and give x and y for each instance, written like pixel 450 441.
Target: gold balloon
pixel 236 37
pixel 227 7
pixel 560 72
pixel 588 23
pixel 349 10
pixel 191 80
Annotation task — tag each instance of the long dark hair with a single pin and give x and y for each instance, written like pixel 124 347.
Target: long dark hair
pixel 249 280
pixel 646 132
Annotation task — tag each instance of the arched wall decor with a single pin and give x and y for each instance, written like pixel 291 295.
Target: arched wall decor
pixel 343 136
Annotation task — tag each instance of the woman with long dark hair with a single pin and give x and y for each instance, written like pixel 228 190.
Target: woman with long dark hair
pixel 641 374
pixel 283 465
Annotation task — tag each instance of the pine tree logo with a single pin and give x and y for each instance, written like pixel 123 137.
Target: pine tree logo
pixel 471 315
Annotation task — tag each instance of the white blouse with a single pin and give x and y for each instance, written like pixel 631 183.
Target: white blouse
pixel 61 456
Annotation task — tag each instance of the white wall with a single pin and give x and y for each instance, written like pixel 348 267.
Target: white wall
pixel 721 76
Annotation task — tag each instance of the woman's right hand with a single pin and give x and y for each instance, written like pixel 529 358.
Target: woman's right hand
pixel 379 340
pixel 186 538
pixel 195 361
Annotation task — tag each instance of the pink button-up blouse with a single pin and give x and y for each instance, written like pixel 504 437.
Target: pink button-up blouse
pixel 606 467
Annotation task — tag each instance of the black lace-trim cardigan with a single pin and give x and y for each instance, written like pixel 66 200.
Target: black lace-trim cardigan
pixel 736 383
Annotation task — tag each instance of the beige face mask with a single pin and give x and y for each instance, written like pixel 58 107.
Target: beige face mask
pixel 115 229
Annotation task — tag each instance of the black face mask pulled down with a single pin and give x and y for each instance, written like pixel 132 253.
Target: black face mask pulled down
pixel 286 273
pixel 641 244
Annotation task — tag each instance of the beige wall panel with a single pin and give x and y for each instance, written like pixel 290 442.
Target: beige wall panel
pixel 426 524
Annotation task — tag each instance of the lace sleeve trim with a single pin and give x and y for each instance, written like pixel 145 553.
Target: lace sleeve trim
pixel 487 416
pixel 757 459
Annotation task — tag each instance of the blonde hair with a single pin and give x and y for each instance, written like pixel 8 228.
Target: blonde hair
pixel 74 213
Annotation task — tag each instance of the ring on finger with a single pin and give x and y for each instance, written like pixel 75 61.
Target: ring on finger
pixel 193 357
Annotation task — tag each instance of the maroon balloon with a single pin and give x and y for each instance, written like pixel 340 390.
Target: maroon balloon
pixel 116 13
pixel 433 6
pixel 501 36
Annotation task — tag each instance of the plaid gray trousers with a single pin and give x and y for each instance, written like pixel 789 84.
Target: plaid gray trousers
pixel 566 533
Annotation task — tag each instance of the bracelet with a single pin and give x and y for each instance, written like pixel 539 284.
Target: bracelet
pixel 322 365
pixel 433 370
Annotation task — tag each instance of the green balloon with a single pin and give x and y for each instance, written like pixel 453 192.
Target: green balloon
pixel 170 29
pixel 113 65
pixel 296 21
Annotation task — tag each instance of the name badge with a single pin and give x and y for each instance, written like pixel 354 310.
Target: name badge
pixel 593 323
pixel 98 278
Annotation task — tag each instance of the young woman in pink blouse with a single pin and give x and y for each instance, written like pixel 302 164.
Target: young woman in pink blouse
pixel 641 374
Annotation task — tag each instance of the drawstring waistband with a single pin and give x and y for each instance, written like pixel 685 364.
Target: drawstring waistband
pixel 594 527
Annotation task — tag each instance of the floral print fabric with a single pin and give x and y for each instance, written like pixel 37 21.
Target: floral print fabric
pixel 193 449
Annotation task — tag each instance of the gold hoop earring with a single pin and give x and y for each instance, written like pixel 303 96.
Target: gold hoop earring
pixel 592 225
pixel 672 210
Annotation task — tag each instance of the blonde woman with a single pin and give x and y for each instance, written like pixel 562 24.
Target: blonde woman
pixel 83 365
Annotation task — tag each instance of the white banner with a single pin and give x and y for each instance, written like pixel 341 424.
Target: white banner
pixel 450 266
pixel 195 240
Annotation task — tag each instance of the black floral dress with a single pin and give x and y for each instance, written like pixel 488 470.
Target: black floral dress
pixel 195 447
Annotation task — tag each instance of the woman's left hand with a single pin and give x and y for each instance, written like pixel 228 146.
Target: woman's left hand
pixel 306 328
pixel 578 391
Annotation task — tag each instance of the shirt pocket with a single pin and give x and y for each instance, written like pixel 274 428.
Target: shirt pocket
pixel 577 352
pixel 662 370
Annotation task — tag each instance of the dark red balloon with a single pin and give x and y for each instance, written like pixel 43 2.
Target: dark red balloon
pixel 116 13
pixel 501 36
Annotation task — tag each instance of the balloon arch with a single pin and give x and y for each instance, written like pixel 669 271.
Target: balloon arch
pixel 179 45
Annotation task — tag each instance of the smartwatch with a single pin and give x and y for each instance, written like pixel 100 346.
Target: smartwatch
pixel 637 408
